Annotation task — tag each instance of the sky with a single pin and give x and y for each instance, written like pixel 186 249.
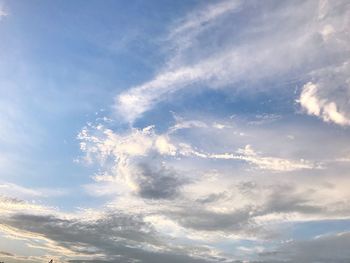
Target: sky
pixel 175 131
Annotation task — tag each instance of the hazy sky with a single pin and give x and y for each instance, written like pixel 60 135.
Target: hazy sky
pixel 175 131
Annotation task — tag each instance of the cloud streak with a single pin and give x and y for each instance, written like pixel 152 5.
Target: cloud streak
pixel 257 56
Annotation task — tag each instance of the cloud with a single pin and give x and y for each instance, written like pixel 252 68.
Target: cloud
pixel 100 142
pixel 8 254
pixel 141 161
pixel 182 123
pixel 113 237
pixel 12 258
pixel 201 18
pixel 287 199
pixel 198 192
pixel 162 183
pixel 17 191
pixel 326 110
pixel 3 13
pixel 205 210
pixel 135 160
pixel 262 203
pixel 327 248
pixel 248 155
pixel 266 163
pixel 208 221
pixel 10 205
pixel 265 48
pixel 13 189
pixel 133 103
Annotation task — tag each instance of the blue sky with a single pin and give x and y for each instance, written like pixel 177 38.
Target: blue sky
pixel 174 131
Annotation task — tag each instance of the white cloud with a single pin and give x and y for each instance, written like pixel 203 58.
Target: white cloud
pixel 132 161
pixel 164 146
pixel 327 110
pixel 266 163
pixel 100 142
pixel 199 18
pixel 10 205
pixel 266 47
pixel 309 100
pixel 133 103
pixel 182 123
pixel 18 191
pixel 327 32
pixel 135 162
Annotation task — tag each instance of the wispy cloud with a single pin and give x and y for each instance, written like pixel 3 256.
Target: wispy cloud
pixel 266 163
pixel 256 55
pixel 326 248
pixel 3 13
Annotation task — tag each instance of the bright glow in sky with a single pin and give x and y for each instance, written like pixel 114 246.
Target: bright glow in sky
pixel 175 131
